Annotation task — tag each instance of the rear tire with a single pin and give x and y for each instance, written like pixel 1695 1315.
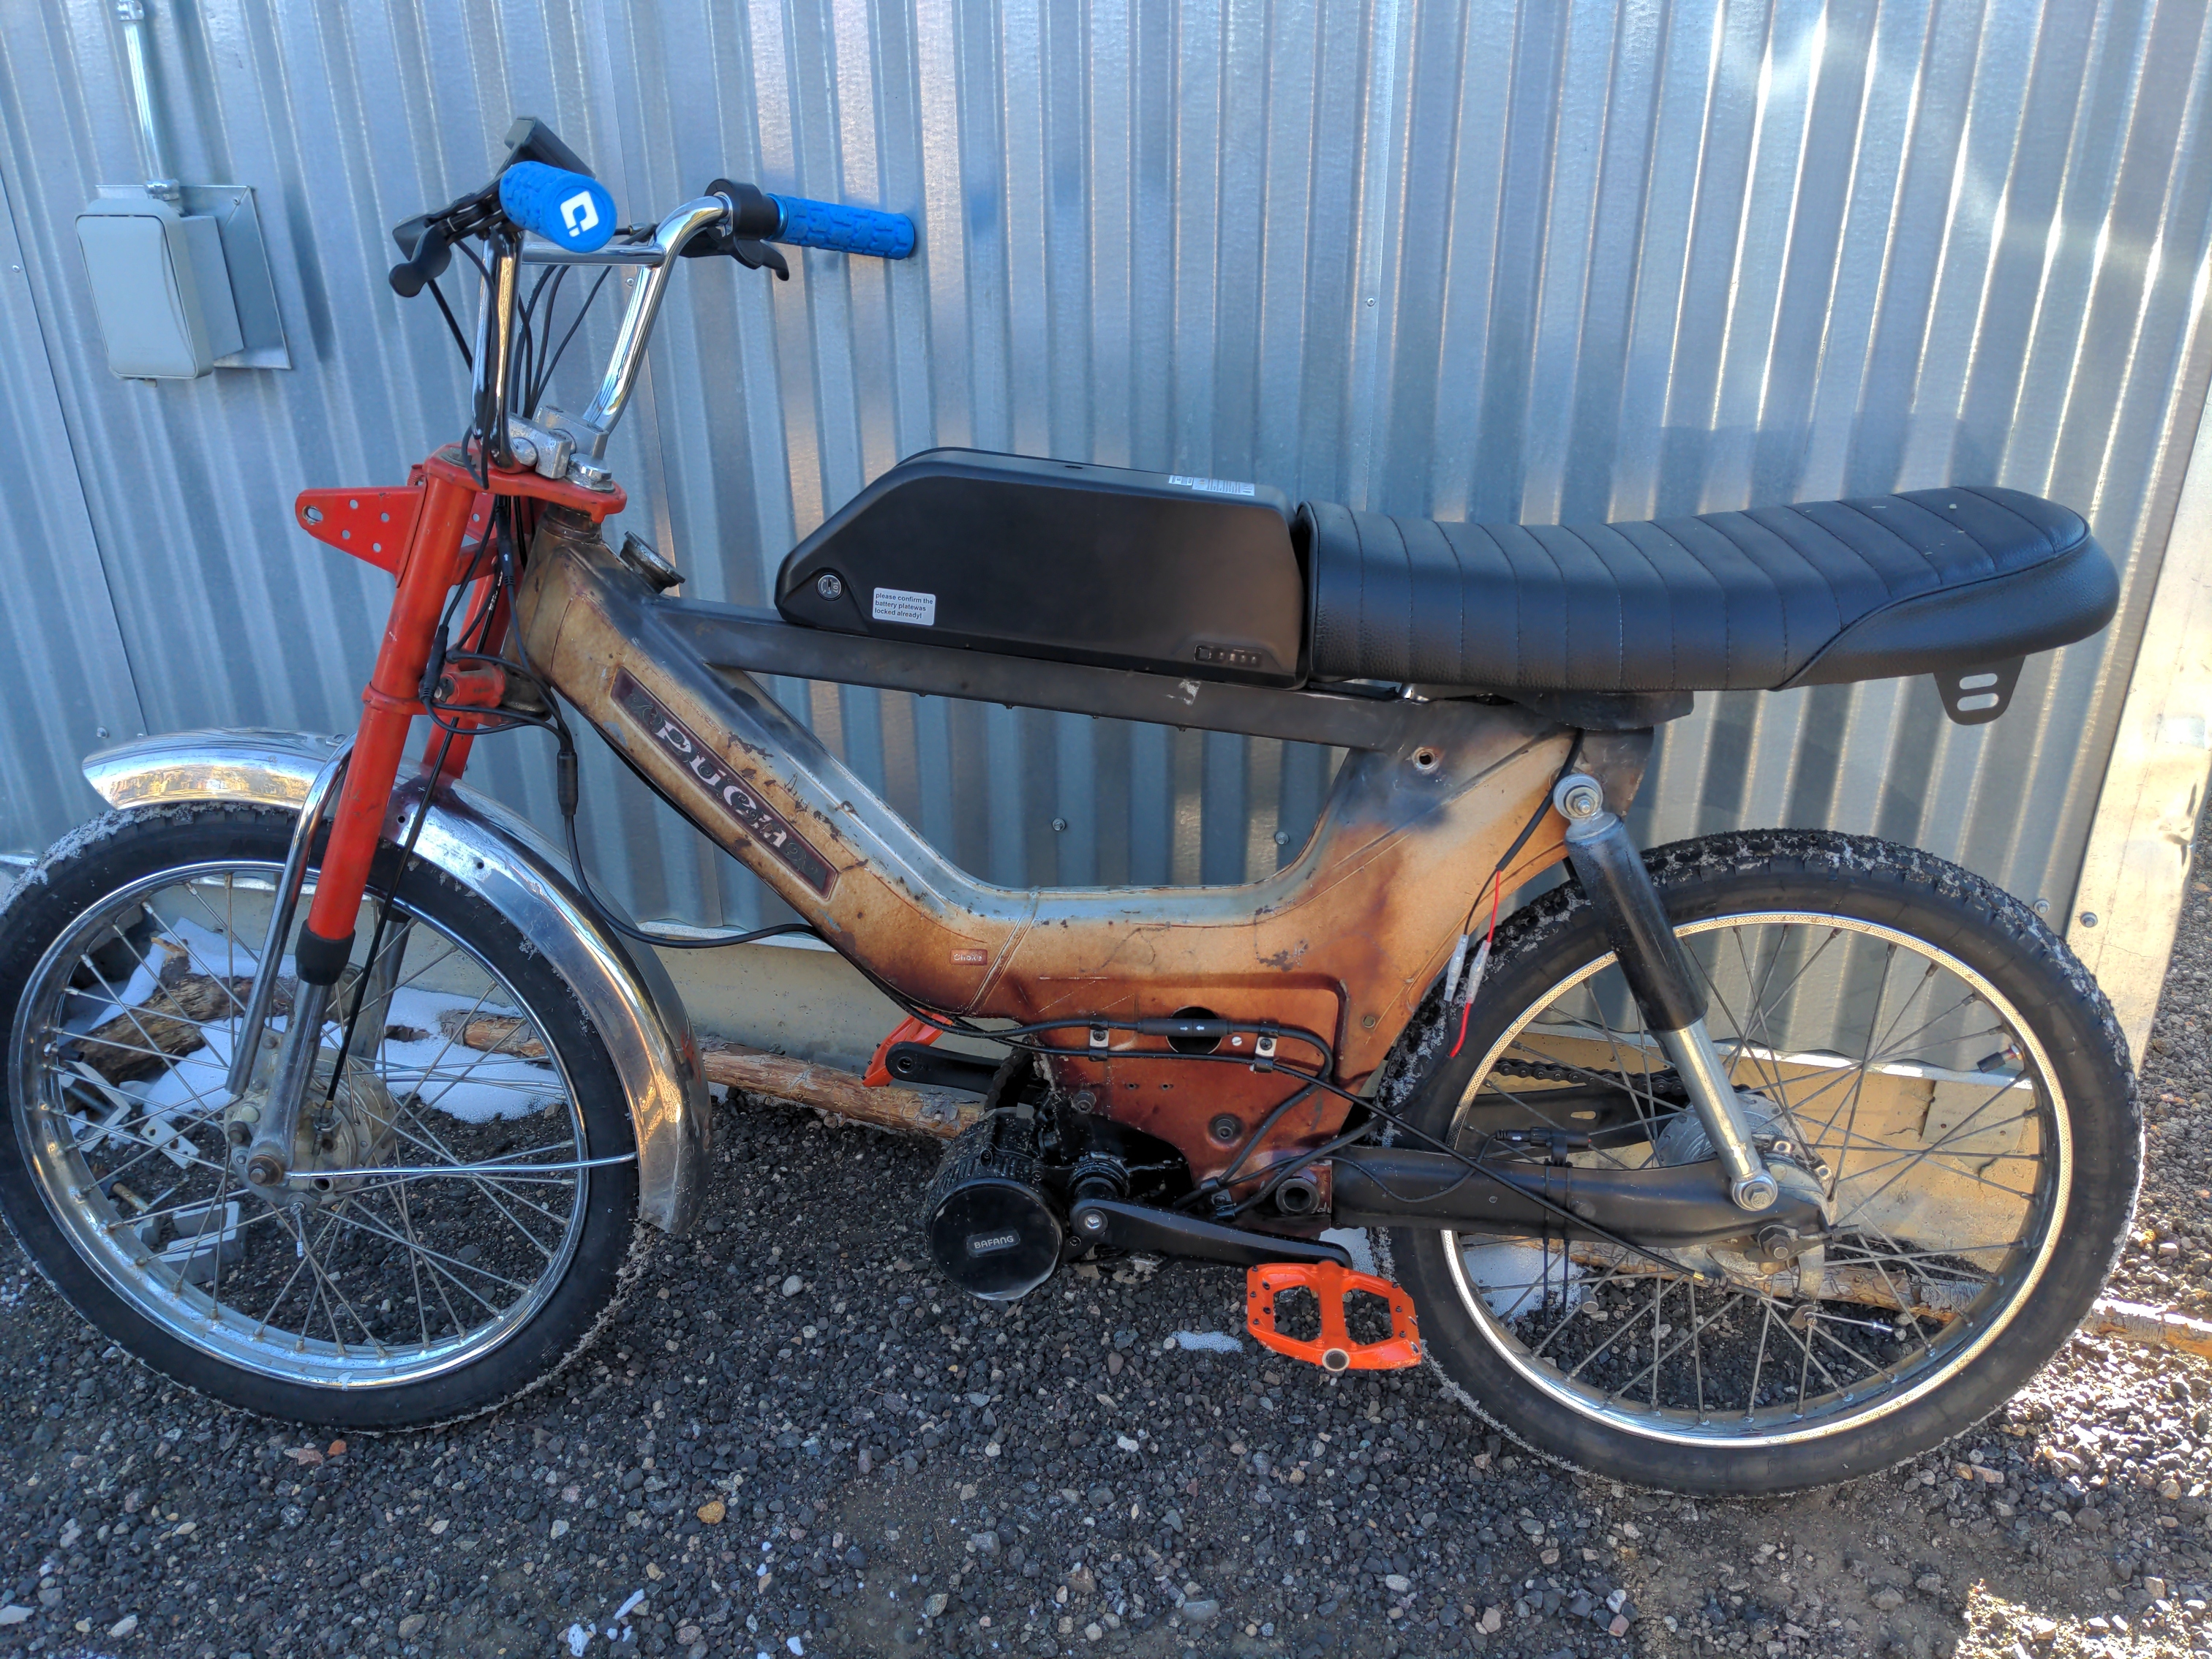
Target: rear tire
pixel 1516 1351
pixel 177 873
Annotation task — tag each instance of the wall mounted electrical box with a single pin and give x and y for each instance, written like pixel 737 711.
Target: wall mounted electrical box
pixel 180 292
pixel 180 275
pixel 160 286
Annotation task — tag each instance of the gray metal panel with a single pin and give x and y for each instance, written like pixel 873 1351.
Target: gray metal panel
pixel 68 683
pixel 1472 259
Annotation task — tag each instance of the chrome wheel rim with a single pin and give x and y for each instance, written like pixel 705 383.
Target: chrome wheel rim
pixel 119 1055
pixel 1907 1299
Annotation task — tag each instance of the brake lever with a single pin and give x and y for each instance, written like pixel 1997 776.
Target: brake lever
pixel 427 240
pixel 750 210
pixel 753 256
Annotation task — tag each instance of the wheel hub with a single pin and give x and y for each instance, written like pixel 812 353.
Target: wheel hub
pixel 350 1129
pixel 1775 1259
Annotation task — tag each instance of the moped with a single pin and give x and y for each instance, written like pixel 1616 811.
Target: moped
pixel 1741 1164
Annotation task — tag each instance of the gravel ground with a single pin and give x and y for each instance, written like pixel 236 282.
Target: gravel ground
pixel 797 1441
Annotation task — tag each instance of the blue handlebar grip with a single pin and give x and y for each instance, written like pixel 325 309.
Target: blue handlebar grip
pixel 566 209
pixel 843 229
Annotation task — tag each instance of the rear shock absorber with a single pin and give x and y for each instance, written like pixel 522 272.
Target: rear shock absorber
pixel 1612 873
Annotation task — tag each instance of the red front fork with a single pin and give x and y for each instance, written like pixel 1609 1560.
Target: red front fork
pixel 427 574
pixel 435 558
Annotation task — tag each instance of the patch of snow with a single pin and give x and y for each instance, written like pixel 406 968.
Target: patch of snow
pixel 1207 1342
pixel 465 1083
pixel 462 1082
pixel 578 1640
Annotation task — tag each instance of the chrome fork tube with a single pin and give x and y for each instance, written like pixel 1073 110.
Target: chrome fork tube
pixel 321 794
pixel 1705 1075
pixel 1611 872
pixel 269 1159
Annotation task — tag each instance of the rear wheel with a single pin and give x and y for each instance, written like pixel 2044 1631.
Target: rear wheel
pixel 441 1247
pixel 1914 1042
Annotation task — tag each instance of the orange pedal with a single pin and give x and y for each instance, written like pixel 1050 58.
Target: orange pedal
pixel 1333 1350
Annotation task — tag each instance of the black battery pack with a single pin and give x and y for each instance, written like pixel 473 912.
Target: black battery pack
pixel 1193 577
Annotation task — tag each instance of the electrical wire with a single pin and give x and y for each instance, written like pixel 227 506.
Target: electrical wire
pixel 545 375
pixel 453 323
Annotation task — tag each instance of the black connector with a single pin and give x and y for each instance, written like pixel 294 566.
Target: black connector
pixel 565 788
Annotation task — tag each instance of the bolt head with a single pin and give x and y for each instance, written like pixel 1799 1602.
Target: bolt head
pixel 1756 1192
pixel 830 584
pixel 1580 802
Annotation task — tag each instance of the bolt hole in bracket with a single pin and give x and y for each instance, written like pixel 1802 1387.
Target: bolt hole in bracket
pixel 1334 1348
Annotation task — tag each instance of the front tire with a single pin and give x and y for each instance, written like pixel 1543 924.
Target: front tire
pixel 482 1263
pixel 1921 1044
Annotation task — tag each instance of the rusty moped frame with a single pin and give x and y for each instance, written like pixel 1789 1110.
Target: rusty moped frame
pixel 1343 942
pixel 1318 968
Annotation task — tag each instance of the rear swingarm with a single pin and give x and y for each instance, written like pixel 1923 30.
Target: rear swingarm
pixel 1669 1206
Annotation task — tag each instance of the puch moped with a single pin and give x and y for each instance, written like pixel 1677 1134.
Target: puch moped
pixel 1741 1164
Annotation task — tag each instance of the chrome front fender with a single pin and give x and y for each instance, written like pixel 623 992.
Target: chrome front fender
pixel 624 989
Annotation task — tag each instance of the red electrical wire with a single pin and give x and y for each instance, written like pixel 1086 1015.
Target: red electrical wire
pixel 1467 1006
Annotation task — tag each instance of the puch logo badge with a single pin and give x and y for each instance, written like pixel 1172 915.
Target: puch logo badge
pixel 739 804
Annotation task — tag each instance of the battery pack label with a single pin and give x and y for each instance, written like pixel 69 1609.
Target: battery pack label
pixel 897 604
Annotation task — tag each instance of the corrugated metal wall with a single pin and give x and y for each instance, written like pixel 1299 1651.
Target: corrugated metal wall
pixel 1473 258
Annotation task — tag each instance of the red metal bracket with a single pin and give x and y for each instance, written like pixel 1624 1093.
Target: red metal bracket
pixel 375 524
pixel 454 463
pixel 909 1029
pixel 1333 1350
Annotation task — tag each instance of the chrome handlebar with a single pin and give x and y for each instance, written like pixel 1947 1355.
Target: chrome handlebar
pixel 652 262
pixel 705 213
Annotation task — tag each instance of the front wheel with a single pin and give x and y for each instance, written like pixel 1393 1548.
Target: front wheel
pixel 1923 1051
pixel 463 1205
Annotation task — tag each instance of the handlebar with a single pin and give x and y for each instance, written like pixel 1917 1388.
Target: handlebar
pixel 841 229
pixel 543 189
pixel 570 210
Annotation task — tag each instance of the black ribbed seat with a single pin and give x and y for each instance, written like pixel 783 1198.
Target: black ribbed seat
pixel 1922 582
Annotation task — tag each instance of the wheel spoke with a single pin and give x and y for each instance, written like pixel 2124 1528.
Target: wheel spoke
pixel 1862 1045
pixel 323 1280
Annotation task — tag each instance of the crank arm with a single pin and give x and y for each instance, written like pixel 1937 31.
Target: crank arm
pixel 917 1062
pixel 1670 1206
pixel 1135 1227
